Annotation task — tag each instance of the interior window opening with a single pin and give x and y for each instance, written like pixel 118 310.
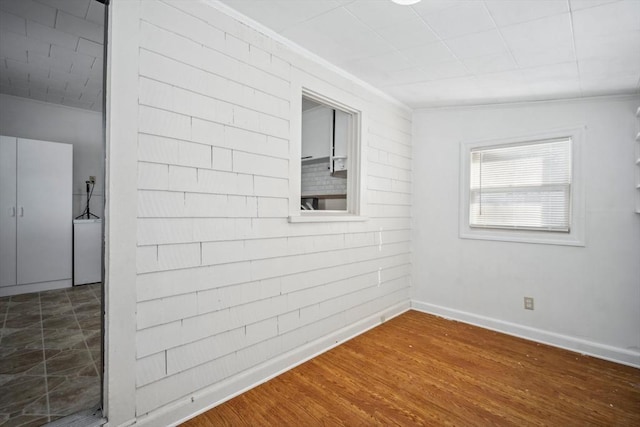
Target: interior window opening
pixel 327 139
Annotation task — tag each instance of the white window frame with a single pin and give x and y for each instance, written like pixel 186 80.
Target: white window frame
pixel 575 236
pixel 330 96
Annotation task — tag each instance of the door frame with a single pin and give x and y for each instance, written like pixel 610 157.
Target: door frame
pixel 120 241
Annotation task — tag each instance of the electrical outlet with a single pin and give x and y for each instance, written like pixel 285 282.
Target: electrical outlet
pixel 92 179
pixel 528 303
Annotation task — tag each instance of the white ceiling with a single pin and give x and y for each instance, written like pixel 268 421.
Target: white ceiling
pixel 450 52
pixel 51 50
pixel 437 52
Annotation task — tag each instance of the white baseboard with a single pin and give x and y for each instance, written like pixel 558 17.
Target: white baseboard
pixel 34 287
pixel 601 351
pixel 203 400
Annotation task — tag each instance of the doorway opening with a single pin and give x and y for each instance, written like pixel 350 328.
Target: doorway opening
pixel 52 197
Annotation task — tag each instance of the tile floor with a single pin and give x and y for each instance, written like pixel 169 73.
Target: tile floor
pixel 50 355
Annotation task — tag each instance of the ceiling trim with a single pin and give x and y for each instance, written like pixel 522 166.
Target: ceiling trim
pixel 304 52
pixel 614 97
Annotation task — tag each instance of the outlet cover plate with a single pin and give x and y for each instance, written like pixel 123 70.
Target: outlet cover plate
pixel 528 303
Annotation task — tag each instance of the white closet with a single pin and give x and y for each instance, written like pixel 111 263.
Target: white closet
pixel 35 215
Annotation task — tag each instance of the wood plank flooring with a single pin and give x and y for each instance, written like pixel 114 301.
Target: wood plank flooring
pixel 418 369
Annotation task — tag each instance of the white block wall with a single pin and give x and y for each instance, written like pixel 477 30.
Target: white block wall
pixel 225 283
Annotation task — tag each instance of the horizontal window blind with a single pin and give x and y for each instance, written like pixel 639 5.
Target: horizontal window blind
pixel 521 186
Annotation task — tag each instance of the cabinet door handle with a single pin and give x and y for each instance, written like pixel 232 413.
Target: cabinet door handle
pixel 13 211
pixel 21 210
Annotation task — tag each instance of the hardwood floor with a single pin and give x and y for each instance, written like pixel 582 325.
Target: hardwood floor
pixel 419 369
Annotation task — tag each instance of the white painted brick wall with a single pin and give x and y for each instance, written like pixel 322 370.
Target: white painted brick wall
pixel 157 149
pixel 224 183
pixel 182 178
pixel 196 155
pixel 158 338
pixel 164 15
pixel 261 331
pixel 160 204
pixel 202 351
pixel 269 207
pixel 150 368
pixel 260 165
pixel 178 256
pixel 165 231
pixel 225 282
pixel 221 159
pixel 272 187
pixel 146 259
pixel 165 310
pixel 153 176
pixel 209 229
pixel 165 283
pixel 207 132
pixel 164 123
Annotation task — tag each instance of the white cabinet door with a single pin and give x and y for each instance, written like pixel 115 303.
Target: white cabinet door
pixel 317 132
pixel 7 211
pixel 44 206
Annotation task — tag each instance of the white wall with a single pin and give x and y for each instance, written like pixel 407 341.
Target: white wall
pixel 228 292
pixel 586 298
pixel 27 118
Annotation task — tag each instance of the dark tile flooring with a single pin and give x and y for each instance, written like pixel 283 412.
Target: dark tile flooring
pixel 50 355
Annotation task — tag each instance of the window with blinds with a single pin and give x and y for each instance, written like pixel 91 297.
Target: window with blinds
pixel 523 186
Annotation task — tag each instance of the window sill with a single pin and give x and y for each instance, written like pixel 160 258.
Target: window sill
pixel 326 217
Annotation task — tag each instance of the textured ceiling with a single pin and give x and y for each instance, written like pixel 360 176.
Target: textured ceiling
pixel 437 52
pixel 448 52
pixel 52 51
